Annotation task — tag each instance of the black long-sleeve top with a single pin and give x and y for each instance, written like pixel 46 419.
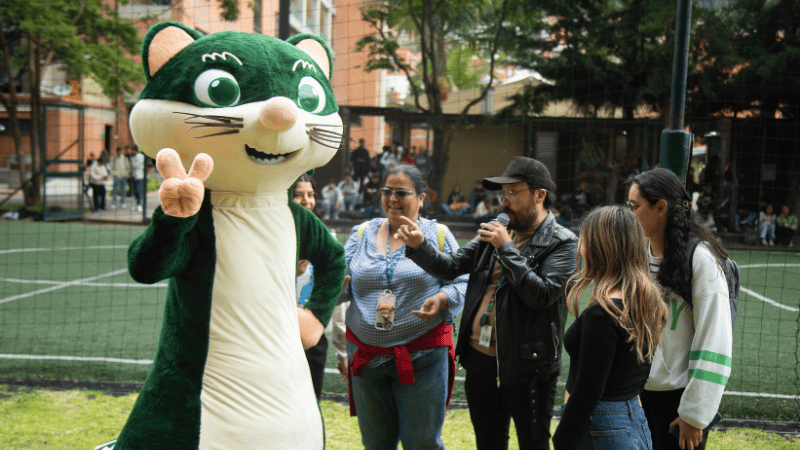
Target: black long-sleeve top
pixel 603 366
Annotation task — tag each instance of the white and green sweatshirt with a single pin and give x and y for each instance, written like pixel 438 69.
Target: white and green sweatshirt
pixel 695 352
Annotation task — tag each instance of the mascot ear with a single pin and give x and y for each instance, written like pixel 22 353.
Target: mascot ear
pixel 163 41
pixel 314 47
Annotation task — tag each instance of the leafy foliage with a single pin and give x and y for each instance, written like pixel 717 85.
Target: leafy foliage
pixel 435 31
pixel 609 54
pixel 87 36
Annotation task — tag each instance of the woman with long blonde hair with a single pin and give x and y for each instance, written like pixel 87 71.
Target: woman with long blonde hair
pixel 612 341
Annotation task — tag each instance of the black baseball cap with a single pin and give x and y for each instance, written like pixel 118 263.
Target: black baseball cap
pixel 522 169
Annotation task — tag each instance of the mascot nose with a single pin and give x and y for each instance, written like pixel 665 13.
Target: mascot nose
pixel 279 114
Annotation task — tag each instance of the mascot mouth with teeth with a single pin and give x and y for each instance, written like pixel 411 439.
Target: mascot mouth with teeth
pixel 250 113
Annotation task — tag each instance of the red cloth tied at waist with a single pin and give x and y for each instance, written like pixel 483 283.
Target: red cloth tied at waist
pixel 440 336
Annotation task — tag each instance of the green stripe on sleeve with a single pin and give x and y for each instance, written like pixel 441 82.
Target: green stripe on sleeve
pixel 706 355
pixel 711 377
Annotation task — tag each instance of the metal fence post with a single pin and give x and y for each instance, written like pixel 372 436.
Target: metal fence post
pixel 676 144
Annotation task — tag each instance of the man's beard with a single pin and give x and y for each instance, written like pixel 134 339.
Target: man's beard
pixel 521 223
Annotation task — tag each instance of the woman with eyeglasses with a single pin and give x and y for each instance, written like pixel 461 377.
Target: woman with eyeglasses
pixel 693 362
pixel 399 324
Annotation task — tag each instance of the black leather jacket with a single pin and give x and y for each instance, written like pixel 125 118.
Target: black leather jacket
pixel 530 302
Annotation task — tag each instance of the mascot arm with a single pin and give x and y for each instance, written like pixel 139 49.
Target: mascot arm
pixel 326 254
pixel 164 249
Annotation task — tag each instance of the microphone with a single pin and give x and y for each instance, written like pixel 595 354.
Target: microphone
pixel 503 220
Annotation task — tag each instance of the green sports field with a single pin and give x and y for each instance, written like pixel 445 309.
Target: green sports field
pixel 69 310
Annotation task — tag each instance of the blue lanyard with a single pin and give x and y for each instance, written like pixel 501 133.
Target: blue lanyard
pixel 391 262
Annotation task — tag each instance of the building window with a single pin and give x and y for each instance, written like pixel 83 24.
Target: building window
pixel 312 17
pixel 310 11
pixel 258 13
pixel 296 10
pixel 324 23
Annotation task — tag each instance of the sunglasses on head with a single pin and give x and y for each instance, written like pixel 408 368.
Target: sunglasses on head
pixel 400 193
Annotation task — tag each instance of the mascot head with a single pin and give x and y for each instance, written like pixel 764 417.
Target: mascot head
pixel 262 108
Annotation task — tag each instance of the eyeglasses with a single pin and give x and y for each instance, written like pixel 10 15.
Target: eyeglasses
pixel 510 194
pixel 400 193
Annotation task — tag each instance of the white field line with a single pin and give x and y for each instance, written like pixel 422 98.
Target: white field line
pixel 85 281
pixel 761 297
pixel 328 370
pixel 77 358
pixel 62 285
pixel 119 285
pixel 23 250
pixel 766 300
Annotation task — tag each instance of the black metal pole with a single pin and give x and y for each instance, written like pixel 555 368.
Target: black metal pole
pixel 676 144
pixel 283 19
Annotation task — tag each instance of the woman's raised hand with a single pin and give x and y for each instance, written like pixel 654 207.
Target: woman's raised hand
pixel 181 193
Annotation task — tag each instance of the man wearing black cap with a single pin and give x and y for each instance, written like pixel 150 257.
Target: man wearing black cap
pixel 511 328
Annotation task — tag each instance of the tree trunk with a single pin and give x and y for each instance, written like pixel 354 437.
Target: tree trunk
pixel 33 192
pixel 12 104
pixel 439 159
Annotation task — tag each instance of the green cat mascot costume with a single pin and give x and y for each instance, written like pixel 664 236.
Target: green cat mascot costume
pixel 250 113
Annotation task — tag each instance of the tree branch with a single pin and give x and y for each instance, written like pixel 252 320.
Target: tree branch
pixel 495 44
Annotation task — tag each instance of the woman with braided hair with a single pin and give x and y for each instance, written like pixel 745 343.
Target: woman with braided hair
pixel 693 362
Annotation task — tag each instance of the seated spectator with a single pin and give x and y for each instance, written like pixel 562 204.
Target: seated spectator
pixel 786 226
pixel 349 190
pixel 582 200
pixel 372 196
pixel 706 202
pixel 477 194
pixel 766 226
pixel 485 211
pixel 455 205
pixel 744 219
pixel 562 214
pixel 332 201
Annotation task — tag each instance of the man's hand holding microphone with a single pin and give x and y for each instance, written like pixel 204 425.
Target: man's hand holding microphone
pixel 494 233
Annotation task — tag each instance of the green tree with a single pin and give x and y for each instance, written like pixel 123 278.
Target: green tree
pixel 600 54
pixel 435 28
pixel 87 36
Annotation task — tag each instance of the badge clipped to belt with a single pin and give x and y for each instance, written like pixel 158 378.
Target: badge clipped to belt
pixel 384 319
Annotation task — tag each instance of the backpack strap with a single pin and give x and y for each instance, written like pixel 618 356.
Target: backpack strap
pixel 441 232
pixel 361 229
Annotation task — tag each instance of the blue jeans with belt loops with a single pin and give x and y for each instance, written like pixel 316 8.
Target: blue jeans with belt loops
pixel 616 425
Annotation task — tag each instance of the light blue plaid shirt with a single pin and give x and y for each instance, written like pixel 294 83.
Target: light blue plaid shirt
pixel 412 286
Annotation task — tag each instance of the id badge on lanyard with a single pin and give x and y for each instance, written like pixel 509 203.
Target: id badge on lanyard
pixel 384 318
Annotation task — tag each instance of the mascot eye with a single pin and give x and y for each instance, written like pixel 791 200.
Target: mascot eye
pixel 310 95
pixel 216 87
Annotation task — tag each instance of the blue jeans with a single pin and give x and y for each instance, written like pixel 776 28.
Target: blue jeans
pixel 328 207
pixel 119 185
pixel 616 425
pixel 413 414
pixel 139 190
pixel 450 212
pixel 350 201
pixel 766 229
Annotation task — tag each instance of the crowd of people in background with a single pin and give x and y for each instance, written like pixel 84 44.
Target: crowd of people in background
pixel 125 169
pixel 409 280
pixel 357 196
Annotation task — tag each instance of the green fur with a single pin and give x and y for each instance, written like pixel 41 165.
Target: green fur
pixel 167 411
pixel 316 244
